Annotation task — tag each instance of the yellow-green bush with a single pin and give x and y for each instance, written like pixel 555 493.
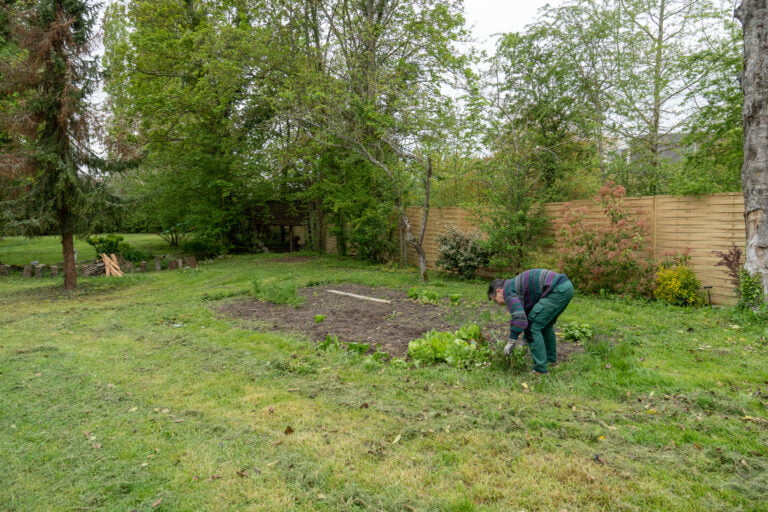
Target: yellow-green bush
pixel 678 285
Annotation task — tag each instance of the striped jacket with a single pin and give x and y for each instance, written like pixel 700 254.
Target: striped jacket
pixel 523 291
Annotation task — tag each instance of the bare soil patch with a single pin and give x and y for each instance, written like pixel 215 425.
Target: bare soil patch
pixel 390 325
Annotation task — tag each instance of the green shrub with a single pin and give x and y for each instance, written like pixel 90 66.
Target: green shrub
pixel 113 244
pixel 130 253
pixel 460 253
pixel 750 290
pixel 371 233
pixel 206 245
pixel 678 285
pixel 109 244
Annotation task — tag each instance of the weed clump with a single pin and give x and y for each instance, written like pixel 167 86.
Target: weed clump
pixel 276 293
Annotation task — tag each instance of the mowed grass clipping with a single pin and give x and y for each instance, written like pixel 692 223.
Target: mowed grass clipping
pixel 131 394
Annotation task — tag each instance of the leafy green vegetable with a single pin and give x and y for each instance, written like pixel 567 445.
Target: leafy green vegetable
pixel 460 349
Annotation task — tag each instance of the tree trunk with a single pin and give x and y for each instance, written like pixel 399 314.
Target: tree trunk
pixel 70 268
pixel 753 15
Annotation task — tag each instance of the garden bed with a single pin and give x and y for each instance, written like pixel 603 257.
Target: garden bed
pixel 391 325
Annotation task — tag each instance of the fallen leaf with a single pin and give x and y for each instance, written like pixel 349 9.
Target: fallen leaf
pixel 397 438
pixel 275 443
pixel 133 409
pixel 364 405
pixel 525 385
pixel 599 459
pixel 698 447
pixel 242 473
pixel 608 366
pixel 271 410
pixel 157 503
pixel 601 438
pixel 214 477
pixel 288 430
pixel 96 445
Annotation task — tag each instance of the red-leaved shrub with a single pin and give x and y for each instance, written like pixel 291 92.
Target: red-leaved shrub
pixel 614 256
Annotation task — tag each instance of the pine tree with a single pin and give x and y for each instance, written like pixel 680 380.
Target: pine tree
pixel 47 76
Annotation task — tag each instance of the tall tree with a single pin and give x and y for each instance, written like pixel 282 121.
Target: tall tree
pixel 381 91
pixel 186 80
pixel 49 121
pixel 753 15
pixel 655 40
pixel 713 139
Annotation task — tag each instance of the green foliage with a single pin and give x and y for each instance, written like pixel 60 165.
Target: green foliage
pixel 577 332
pixel 202 120
pixel 331 342
pixel 318 319
pixel 209 243
pixel 750 290
pixel 105 244
pixel 463 349
pixel 431 348
pixel 460 253
pixel 422 295
pixel 371 232
pixel 113 244
pixel 130 253
pixel 276 292
pixel 678 285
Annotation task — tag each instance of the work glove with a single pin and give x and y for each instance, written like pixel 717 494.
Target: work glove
pixel 510 346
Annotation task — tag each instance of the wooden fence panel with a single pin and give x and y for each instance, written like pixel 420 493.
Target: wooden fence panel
pixel 701 225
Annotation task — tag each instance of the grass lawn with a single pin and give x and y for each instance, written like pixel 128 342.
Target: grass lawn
pixel 132 394
pixel 16 250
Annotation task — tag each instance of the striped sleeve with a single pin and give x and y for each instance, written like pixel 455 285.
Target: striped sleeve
pixel 519 320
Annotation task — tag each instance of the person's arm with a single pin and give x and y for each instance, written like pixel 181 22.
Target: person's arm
pixel 518 321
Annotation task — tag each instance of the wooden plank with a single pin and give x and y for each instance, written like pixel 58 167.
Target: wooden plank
pixel 374 299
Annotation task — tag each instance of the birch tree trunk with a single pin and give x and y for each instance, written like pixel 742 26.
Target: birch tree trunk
pixel 753 15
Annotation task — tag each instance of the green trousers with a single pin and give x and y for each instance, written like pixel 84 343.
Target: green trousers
pixel 540 334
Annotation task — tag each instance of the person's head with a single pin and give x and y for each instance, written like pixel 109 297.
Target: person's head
pixel 496 291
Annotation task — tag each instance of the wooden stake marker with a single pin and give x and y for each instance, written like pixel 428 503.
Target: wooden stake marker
pixel 359 296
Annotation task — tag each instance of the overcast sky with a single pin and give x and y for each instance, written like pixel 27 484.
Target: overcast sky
pixel 488 17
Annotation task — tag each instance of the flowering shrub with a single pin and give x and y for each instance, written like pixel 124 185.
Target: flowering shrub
pixel 461 253
pixel 678 285
pixel 612 256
